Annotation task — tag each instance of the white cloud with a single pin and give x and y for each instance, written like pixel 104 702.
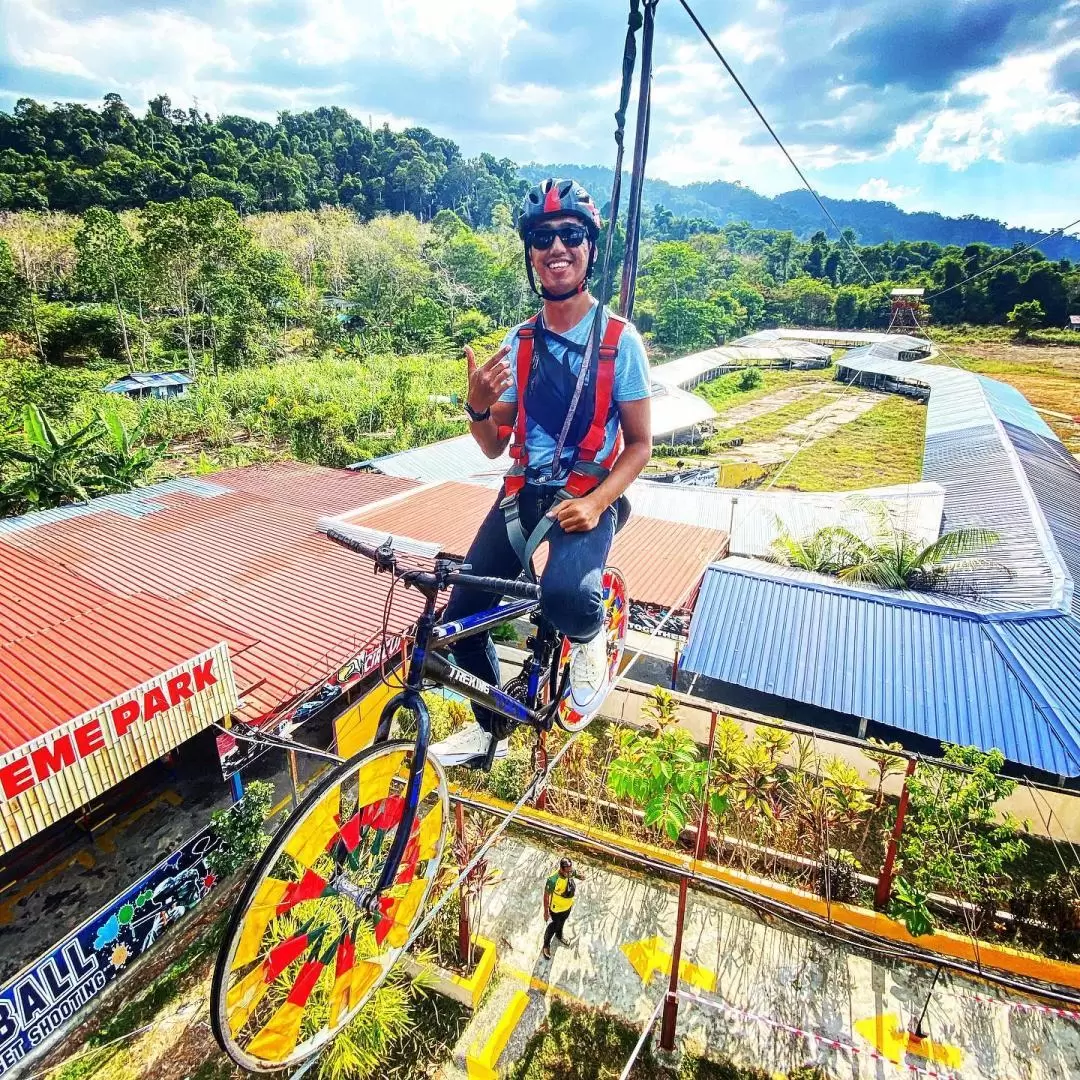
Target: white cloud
pixel 879 189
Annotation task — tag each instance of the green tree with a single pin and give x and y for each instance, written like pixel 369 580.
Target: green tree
pixel 107 264
pixel 954 840
pixel 1026 317
pixel 662 774
pixel 12 289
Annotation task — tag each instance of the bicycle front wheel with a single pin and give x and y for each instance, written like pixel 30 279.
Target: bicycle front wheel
pixel 310 941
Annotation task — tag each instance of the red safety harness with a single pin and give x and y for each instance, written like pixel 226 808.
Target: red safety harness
pixel 587 472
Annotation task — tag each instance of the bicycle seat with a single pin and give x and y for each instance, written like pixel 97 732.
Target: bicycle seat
pixel 622 512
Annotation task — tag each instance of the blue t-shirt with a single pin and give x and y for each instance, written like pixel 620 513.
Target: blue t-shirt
pixel 551 389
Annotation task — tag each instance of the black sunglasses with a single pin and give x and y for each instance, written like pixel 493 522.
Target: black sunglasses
pixel 571 235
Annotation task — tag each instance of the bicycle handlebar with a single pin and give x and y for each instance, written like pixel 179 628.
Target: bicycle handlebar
pixel 522 590
pixel 353 544
pixel 384 557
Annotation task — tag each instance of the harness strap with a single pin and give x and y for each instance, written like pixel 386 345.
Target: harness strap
pixel 587 472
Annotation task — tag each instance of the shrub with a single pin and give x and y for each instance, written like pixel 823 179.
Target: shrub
pixel 751 378
pixel 239 830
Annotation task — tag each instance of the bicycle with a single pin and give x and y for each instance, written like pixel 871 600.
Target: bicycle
pixel 332 903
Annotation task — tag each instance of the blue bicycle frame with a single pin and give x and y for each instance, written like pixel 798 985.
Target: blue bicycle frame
pixel 428 663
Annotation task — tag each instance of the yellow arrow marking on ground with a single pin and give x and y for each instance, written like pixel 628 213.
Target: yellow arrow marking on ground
pixel 886 1034
pixel 649 956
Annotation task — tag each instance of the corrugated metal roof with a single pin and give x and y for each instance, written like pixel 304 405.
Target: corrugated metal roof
pixel 927 669
pixel 689 371
pixel 753 516
pixel 450 459
pixel 143 581
pixel 146 380
pixel 970 452
pixel 673 410
pixel 1000 670
pixel 662 561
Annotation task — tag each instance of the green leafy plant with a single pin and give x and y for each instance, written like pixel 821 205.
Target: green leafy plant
pixel 891 558
pixel 909 906
pixel 661 774
pixel 49 468
pixel 954 841
pixel 238 829
pixel 661 707
pixel 122 463
pixel 750 378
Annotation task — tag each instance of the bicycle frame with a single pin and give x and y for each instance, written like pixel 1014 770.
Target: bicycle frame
pixel 426 662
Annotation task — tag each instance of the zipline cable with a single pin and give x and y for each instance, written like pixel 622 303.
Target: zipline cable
pixel 776 138
pixel 1001 262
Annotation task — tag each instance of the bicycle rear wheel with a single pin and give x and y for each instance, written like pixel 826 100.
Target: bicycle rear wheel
pixel 310 941
pixel 616 610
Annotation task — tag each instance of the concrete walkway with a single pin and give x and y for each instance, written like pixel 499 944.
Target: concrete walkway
pixel 620 932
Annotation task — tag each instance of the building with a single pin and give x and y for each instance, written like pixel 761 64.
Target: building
pixel 997 665
pixel 132 624
pixel 157 384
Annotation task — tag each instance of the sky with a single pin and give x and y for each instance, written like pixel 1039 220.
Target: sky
pixel 959 106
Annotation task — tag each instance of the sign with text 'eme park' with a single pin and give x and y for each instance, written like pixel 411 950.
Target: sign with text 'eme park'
pixel 55 774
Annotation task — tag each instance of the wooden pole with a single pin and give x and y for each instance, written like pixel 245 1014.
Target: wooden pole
pixel 671 1001
pixel 884 883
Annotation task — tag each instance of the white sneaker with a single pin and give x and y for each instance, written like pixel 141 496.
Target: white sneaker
pixel 589 673
pixel 466 747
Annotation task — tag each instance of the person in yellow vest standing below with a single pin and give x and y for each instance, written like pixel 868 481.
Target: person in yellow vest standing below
pixel 560 891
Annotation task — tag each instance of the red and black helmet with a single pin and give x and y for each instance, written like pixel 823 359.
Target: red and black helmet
pixel 558 198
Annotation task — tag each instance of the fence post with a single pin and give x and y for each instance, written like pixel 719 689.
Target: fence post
pixel 540 764
pixel 671 1001
pixel 464 927
pixel 884 883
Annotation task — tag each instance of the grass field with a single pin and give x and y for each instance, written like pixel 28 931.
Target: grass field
pixel 1047 375
pixel 882 447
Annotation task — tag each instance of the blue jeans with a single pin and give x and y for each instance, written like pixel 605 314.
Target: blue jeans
pixel 572 595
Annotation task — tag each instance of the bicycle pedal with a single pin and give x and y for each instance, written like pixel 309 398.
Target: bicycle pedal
pixel 489 754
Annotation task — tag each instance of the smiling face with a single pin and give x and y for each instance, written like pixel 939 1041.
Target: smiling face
pixel 560 269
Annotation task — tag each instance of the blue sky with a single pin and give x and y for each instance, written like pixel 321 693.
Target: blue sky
pixel 961 106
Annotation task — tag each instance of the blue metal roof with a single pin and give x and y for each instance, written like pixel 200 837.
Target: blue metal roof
pixel 147 380
pixel 1000 671
pixel 934 671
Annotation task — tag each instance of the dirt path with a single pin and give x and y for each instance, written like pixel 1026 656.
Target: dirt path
pixel 805 432
pixel 770 403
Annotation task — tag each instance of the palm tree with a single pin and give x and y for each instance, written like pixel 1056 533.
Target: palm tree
pixel 890 557
pixel 819 551
pixel 903 561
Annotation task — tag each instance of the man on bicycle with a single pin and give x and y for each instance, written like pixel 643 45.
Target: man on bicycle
pixel 571 386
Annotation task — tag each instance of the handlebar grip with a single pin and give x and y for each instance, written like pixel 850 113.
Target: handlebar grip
pixel 522 590
pixel 353 544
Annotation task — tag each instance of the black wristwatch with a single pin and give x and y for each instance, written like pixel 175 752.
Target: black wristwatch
pixel 475 416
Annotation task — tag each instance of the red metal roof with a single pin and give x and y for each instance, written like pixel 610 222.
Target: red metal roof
pixel 662 561
pixel 95 600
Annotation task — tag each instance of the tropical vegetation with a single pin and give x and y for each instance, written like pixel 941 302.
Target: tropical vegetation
pixel 780 805
pixel 890 557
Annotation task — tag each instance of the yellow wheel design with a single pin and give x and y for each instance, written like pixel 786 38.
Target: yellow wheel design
pixel 309 941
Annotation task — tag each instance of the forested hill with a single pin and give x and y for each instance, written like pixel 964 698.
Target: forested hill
pixel 721 202
pixel 70 157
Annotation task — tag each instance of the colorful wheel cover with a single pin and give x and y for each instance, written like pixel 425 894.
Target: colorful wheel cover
pixel 303 952
pixel 616 611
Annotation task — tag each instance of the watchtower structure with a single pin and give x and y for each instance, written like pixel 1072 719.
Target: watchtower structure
pixel 906 309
